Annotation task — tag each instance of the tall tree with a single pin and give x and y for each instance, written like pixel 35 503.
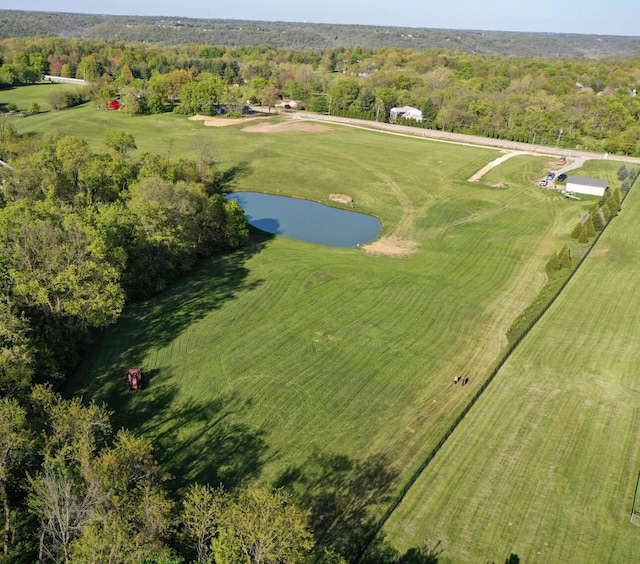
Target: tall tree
pixel 59 265
pixel 199 97
pixel 14 439
pixel 202 513
pixel 268 527
pixel 132 513
pixel 120 141
pixel 15 352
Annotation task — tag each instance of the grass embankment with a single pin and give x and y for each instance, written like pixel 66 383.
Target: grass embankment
pixel 545 464
pixel 290 361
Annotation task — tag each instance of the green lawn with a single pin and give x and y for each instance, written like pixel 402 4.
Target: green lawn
pixel 545 465
pixel 23 96
pixel 295 364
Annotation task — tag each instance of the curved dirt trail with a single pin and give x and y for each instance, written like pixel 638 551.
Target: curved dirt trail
pixel 478 175
pixel 404 227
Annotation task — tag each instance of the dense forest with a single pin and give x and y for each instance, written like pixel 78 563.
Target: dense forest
pixel 84 232
pixel 303 36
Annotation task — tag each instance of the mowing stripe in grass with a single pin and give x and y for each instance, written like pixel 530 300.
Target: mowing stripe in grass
pixel 634 518
pixel 416 475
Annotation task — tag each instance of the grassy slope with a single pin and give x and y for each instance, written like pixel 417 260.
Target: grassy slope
pixel 23 96
pixel 271 361
pixel 545 465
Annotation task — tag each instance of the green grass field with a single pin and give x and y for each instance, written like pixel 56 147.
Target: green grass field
pixel 23 96
pixel 545 465
pixel 288 362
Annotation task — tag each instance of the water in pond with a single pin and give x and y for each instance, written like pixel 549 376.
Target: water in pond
pixel 307 221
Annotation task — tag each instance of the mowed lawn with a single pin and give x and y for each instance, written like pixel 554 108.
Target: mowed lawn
pixel 24 96
pixel 545 464
pixel 287 360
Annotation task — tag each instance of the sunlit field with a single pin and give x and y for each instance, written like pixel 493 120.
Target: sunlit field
pixel 302 366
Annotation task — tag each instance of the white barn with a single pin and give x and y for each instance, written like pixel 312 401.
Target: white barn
pixel 583 185
pixel 406 112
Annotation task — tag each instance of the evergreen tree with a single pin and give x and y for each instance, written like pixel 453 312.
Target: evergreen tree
pixel 564 257
pixel 583 237
pixel 575 234
pixel 613 200
pixel 623 172
pixel 553 263
pixel 598 220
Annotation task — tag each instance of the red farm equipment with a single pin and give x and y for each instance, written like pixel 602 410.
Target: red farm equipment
pixel 134 378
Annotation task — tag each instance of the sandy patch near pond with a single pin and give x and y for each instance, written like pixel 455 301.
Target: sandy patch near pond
pixel 284 126
pixel 341 199
pixel 391 246
pixel 221 122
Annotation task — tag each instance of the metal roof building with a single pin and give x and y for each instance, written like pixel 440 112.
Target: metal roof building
pixel 584 185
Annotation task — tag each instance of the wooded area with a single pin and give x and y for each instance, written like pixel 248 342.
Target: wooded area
pixel 311 36
pixel 588 104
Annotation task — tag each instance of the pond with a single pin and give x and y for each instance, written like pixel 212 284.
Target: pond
pixel 308 221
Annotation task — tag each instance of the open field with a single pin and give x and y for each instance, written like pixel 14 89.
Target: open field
pixel 545 464
pixel 23 96
pixel 295 364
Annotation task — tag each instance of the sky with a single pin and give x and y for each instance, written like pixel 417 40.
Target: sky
pixel 599 17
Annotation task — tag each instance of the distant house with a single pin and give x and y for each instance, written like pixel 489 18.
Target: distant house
pixel 406 112
pixel 291 104
pixel 114 105
pixel 583 185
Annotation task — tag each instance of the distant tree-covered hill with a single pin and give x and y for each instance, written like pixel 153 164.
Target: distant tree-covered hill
pixel 300 36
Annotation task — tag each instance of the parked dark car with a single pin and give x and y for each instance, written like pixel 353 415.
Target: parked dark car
pixel 562 177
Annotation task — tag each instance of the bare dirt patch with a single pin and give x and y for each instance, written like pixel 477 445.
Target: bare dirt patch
pixel 287 126
pixel 391 246
pixel 220 122
pixel 341 199
pixel 505 156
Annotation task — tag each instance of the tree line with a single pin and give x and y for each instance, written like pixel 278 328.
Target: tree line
pixel 310 36
pixel 81 234
pixel 571 103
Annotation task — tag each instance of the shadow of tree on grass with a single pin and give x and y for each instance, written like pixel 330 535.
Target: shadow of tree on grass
pixel 213 282
pixel 197 440
pixel 156 322
pixel 346 498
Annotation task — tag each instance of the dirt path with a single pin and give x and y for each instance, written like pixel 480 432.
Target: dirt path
pixel 478 175
pixel 398 242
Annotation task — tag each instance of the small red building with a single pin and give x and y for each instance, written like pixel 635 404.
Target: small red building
pixel 114 105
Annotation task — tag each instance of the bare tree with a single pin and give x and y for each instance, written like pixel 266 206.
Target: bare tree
pixel 203 508
pixel 63 509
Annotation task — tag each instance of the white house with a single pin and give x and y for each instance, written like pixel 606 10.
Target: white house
pixel 582 185
pixel 291 104
pixel 406 112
